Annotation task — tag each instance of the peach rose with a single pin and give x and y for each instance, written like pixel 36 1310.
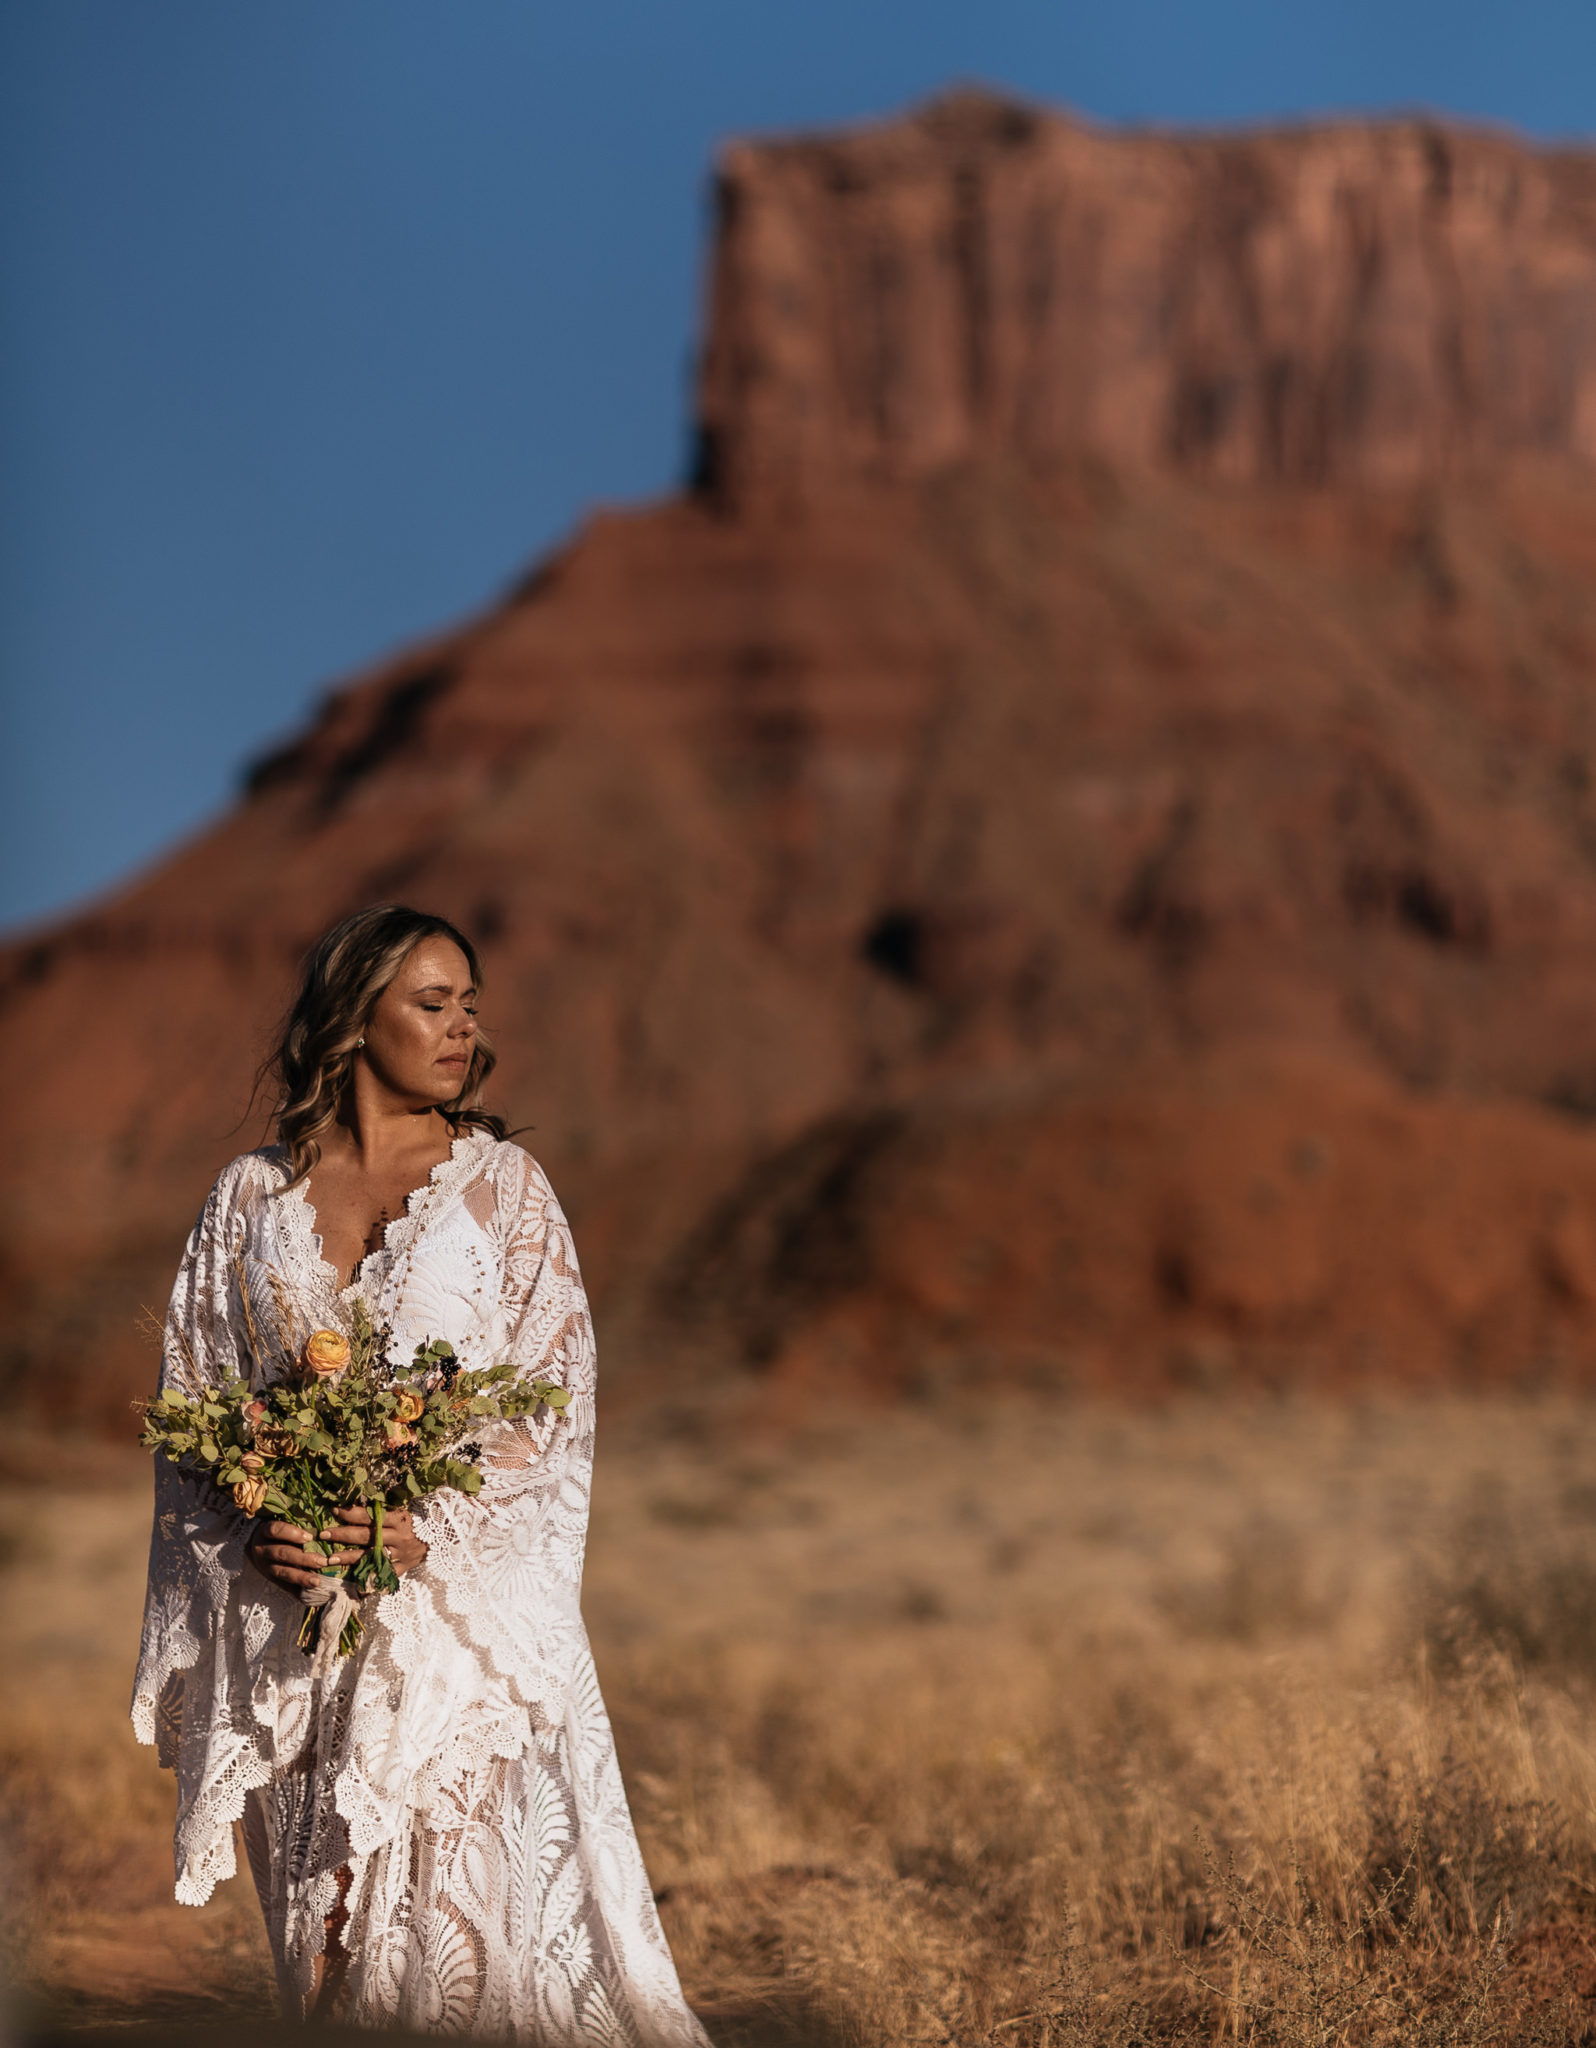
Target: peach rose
pixel 325 1352
pixel 276 1443
pixel 410 1406
pixel 252 1461
pixel 250 1494
pixel 256 1411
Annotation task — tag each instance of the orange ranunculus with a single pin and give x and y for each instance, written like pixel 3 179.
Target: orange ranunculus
pixel 325 1352
pixel 250 1494
pixel 410 1406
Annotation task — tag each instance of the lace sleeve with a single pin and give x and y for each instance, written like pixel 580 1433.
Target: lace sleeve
pixel 190 1694
pixel 508 1561
pixel 196 1545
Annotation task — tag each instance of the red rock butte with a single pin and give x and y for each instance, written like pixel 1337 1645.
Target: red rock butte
pixel 1066 855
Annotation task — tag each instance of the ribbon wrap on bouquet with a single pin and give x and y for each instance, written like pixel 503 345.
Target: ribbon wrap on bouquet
pixel 339 1603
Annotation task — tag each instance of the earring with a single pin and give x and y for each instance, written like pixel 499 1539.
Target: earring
pixel 359 1042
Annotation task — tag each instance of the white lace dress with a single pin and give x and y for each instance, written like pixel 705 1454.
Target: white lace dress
pixel 459 1767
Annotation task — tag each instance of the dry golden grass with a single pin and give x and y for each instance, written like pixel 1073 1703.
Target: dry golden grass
pixel 1036 1727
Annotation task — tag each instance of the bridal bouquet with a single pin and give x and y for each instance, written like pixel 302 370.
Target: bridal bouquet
pixel 342 1427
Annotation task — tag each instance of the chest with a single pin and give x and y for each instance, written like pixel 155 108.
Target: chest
pixel 355 1210
pixel 435 1269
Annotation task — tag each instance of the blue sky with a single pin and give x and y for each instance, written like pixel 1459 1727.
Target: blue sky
pixel 320 318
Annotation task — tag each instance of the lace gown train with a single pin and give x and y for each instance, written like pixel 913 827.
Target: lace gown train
pixel 452 1788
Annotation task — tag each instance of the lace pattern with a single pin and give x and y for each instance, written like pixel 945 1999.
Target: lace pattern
pixel 453 1785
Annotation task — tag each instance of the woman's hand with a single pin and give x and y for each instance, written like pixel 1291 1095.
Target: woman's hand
pixel 353 1527
pixel 277 1551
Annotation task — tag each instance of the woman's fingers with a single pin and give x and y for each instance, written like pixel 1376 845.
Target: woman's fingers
pixel 356 1535
pixel 280 1572
pixel 290 1569
pixel 290 1554
pixel 288 1544
pixel 405 1547
pixel 280 1550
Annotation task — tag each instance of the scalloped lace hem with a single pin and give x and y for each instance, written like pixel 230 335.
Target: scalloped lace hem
pixel 219 1859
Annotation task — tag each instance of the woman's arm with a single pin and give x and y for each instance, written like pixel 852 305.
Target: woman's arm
pixel 197 1541
pixel 507 1562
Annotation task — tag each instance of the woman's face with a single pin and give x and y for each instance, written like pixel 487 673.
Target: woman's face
pixel 422 1028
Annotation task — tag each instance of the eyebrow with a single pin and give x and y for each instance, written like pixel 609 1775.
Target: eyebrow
pixel 444 988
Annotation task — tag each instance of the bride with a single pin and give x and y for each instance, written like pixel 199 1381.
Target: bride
pixel 436 1825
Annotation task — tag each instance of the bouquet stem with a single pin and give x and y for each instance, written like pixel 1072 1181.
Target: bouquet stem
pixel 368 1573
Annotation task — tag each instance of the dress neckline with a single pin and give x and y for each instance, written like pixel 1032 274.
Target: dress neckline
pixel 400 1229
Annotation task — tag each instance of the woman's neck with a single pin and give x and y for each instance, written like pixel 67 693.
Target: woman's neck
pixel 379 1130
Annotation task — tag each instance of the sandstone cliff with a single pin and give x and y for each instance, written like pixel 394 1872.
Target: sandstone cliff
pixel 1343 304
pixel 1070 853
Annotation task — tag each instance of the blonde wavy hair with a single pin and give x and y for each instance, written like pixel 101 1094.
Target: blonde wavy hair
pixel 347 970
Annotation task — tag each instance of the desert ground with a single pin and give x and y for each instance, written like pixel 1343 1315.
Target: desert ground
pixel 988 1723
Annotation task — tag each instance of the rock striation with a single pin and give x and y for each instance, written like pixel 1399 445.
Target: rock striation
pixel 1348 304
pixel 1069 854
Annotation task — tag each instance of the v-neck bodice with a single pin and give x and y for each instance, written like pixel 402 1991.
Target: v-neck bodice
pixel 436 1272
pixel 409 1212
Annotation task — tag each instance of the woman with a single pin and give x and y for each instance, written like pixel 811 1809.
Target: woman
pixel 436 1824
